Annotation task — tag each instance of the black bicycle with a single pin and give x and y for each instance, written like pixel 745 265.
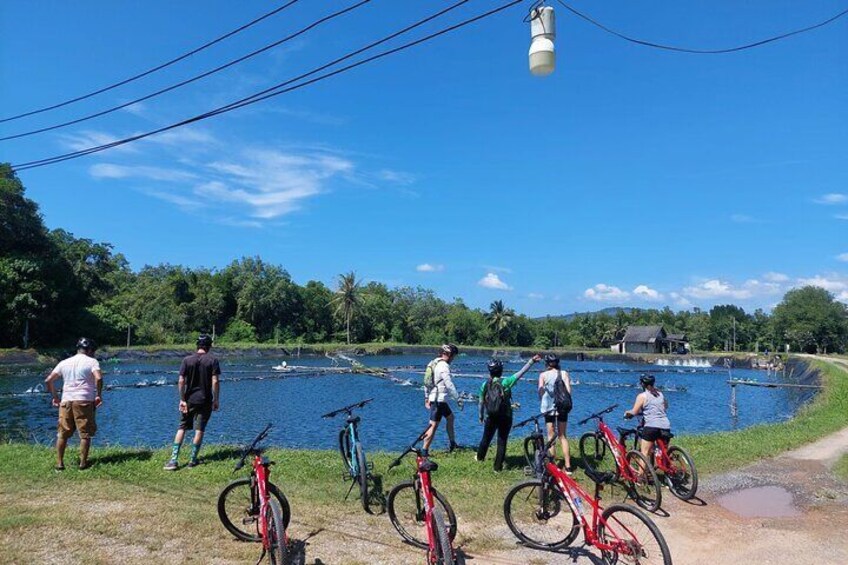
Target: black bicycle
pixel 357 469
pixel 534 444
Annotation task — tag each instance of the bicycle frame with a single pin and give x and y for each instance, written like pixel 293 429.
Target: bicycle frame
pixel 619 450
pixel 354 440
pixel 259 483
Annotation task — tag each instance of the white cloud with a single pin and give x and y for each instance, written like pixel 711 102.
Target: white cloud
pixel 535 296
pixel 842 257
pixel 603 292
pixel 113 171
pixel 492 280
pixel 137 109
pixel 646 293
pixel 841 216
pixel 743 219
pixel 832 283
pixel 771 276
pixel 87 139
pixel 680 300
pixel 397 177
pixel 495 269
pixel 715 289
pixel 185 138
pixel 832 198
pixel 428 268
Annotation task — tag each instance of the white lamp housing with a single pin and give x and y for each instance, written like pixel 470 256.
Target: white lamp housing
pixel 543 33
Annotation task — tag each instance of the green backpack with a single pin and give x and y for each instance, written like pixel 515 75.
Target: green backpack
pixel 430 374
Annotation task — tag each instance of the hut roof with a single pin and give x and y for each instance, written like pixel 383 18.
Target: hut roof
pixel 644 334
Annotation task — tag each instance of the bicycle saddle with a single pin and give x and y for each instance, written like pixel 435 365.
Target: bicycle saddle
pixel 666 435
pixel 624 432
pixel 428 465
pixel 353 419
pixel 598 477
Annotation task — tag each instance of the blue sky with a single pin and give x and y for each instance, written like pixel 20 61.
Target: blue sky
pixel 631 176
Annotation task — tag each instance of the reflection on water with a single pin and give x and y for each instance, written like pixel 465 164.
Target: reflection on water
pixel 140 406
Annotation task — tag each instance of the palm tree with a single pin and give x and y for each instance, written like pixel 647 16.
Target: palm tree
pixel 499 318
pixel 347 298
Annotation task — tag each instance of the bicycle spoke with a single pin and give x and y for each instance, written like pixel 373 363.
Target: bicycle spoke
pixel 635 538
pixel 539 516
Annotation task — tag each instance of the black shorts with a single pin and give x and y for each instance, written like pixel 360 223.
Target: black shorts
pixel 197 417
pixel 549 419
pixel 438 410
pixel 653 434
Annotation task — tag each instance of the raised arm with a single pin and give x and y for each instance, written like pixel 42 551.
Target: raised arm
pixel 527 366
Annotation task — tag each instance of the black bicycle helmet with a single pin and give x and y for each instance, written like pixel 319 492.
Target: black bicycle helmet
pixel 552 360
pixel 204 341
pixel 449 349
pixel 647 380
pixel 86 344
pixel 495 368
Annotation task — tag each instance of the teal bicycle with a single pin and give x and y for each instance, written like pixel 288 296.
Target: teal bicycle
pixel 357 468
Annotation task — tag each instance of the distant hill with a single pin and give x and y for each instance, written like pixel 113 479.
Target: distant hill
pixel 611 311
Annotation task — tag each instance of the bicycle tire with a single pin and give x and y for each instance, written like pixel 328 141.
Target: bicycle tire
pixel 278 551
pixel 645 491
pixel 537 511
pixel 621 522
pixel 237 494
pixel 444 551
pixel 400 515
pixel 677 482
pixel 362 477
pixel 345 449
pixel 530 450
pixel 596 455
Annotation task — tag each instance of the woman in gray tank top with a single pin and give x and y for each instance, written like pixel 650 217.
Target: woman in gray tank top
pixel 651 404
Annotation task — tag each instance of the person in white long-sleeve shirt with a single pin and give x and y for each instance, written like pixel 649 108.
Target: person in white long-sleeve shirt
pixel 436 398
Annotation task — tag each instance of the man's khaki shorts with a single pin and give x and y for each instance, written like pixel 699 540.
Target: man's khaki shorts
pixel 77 415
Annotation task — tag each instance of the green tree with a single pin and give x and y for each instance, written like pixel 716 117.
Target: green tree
pixel 812 320
pixel 499 319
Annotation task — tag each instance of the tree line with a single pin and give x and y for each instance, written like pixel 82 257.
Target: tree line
pixel 55 287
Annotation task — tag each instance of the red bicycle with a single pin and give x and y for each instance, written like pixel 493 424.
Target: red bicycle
pixel 673 462
pixel 254 509
pixel 420 514
pixel 602 452
pixel 547 512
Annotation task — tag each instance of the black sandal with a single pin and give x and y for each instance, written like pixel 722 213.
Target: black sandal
pixel 58 468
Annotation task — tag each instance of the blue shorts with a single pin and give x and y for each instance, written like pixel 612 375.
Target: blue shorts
pixel 438 410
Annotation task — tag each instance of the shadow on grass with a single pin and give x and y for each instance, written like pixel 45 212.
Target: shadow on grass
pixel 223 454
pixel 121 457
pixel 572 554
pixel 376 496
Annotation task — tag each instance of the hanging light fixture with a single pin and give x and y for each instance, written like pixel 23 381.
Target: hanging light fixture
pixel 542 33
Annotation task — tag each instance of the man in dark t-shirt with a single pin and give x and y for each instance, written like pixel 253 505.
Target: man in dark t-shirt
pixel 199 396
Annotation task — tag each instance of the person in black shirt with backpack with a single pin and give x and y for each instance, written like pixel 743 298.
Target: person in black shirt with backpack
pixel 496 409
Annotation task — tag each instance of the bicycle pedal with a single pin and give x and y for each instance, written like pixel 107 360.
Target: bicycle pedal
pixel 529 472
pixel 345 477
pixel 369 465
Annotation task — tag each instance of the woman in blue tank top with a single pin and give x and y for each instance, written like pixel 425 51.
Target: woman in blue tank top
pixel 651 404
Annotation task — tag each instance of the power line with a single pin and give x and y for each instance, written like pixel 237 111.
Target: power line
pixel 154 69
pixel 701 51
pixel 194 78
pixel 274 91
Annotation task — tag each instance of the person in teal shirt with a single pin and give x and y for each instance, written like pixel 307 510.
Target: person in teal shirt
pixel 496 409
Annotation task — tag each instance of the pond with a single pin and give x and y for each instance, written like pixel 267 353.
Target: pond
pixel 140 405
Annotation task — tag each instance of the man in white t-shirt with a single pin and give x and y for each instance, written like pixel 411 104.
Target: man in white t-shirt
pixel 436 398
pixel 82 385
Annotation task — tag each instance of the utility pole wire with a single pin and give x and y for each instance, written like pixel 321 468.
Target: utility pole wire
pixel 194 78
pixel 701 51
pixel 154 69
pixel 274 91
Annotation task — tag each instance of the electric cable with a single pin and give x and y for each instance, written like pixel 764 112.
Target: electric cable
pixel 154 69
pixel 702 51
pixel 276 91
pixel 195 78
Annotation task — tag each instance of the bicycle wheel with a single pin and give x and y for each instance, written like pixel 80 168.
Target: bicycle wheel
pixel 635 538
pixel 645 489
pixel 596 454
pixel 345 448
pixel 682 480
pixel 539 516
pixel 530 451
pixel 441 541
pixel 238 509
pixel 278 550
pixel 406 511
pixel 362 477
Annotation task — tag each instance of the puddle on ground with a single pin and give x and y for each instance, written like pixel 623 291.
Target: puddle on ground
pixel 760 502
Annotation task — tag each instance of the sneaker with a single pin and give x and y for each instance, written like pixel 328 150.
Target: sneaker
pixel 569 471
pixel 454 447
pixel 85 466
pixel 193 463
pixel 171 465
pixel 59 468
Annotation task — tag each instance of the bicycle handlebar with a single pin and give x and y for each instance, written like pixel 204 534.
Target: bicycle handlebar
pixel 347 409
pixel 534 418
pixel 252 448
pixel 598 414
pixel 409 449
